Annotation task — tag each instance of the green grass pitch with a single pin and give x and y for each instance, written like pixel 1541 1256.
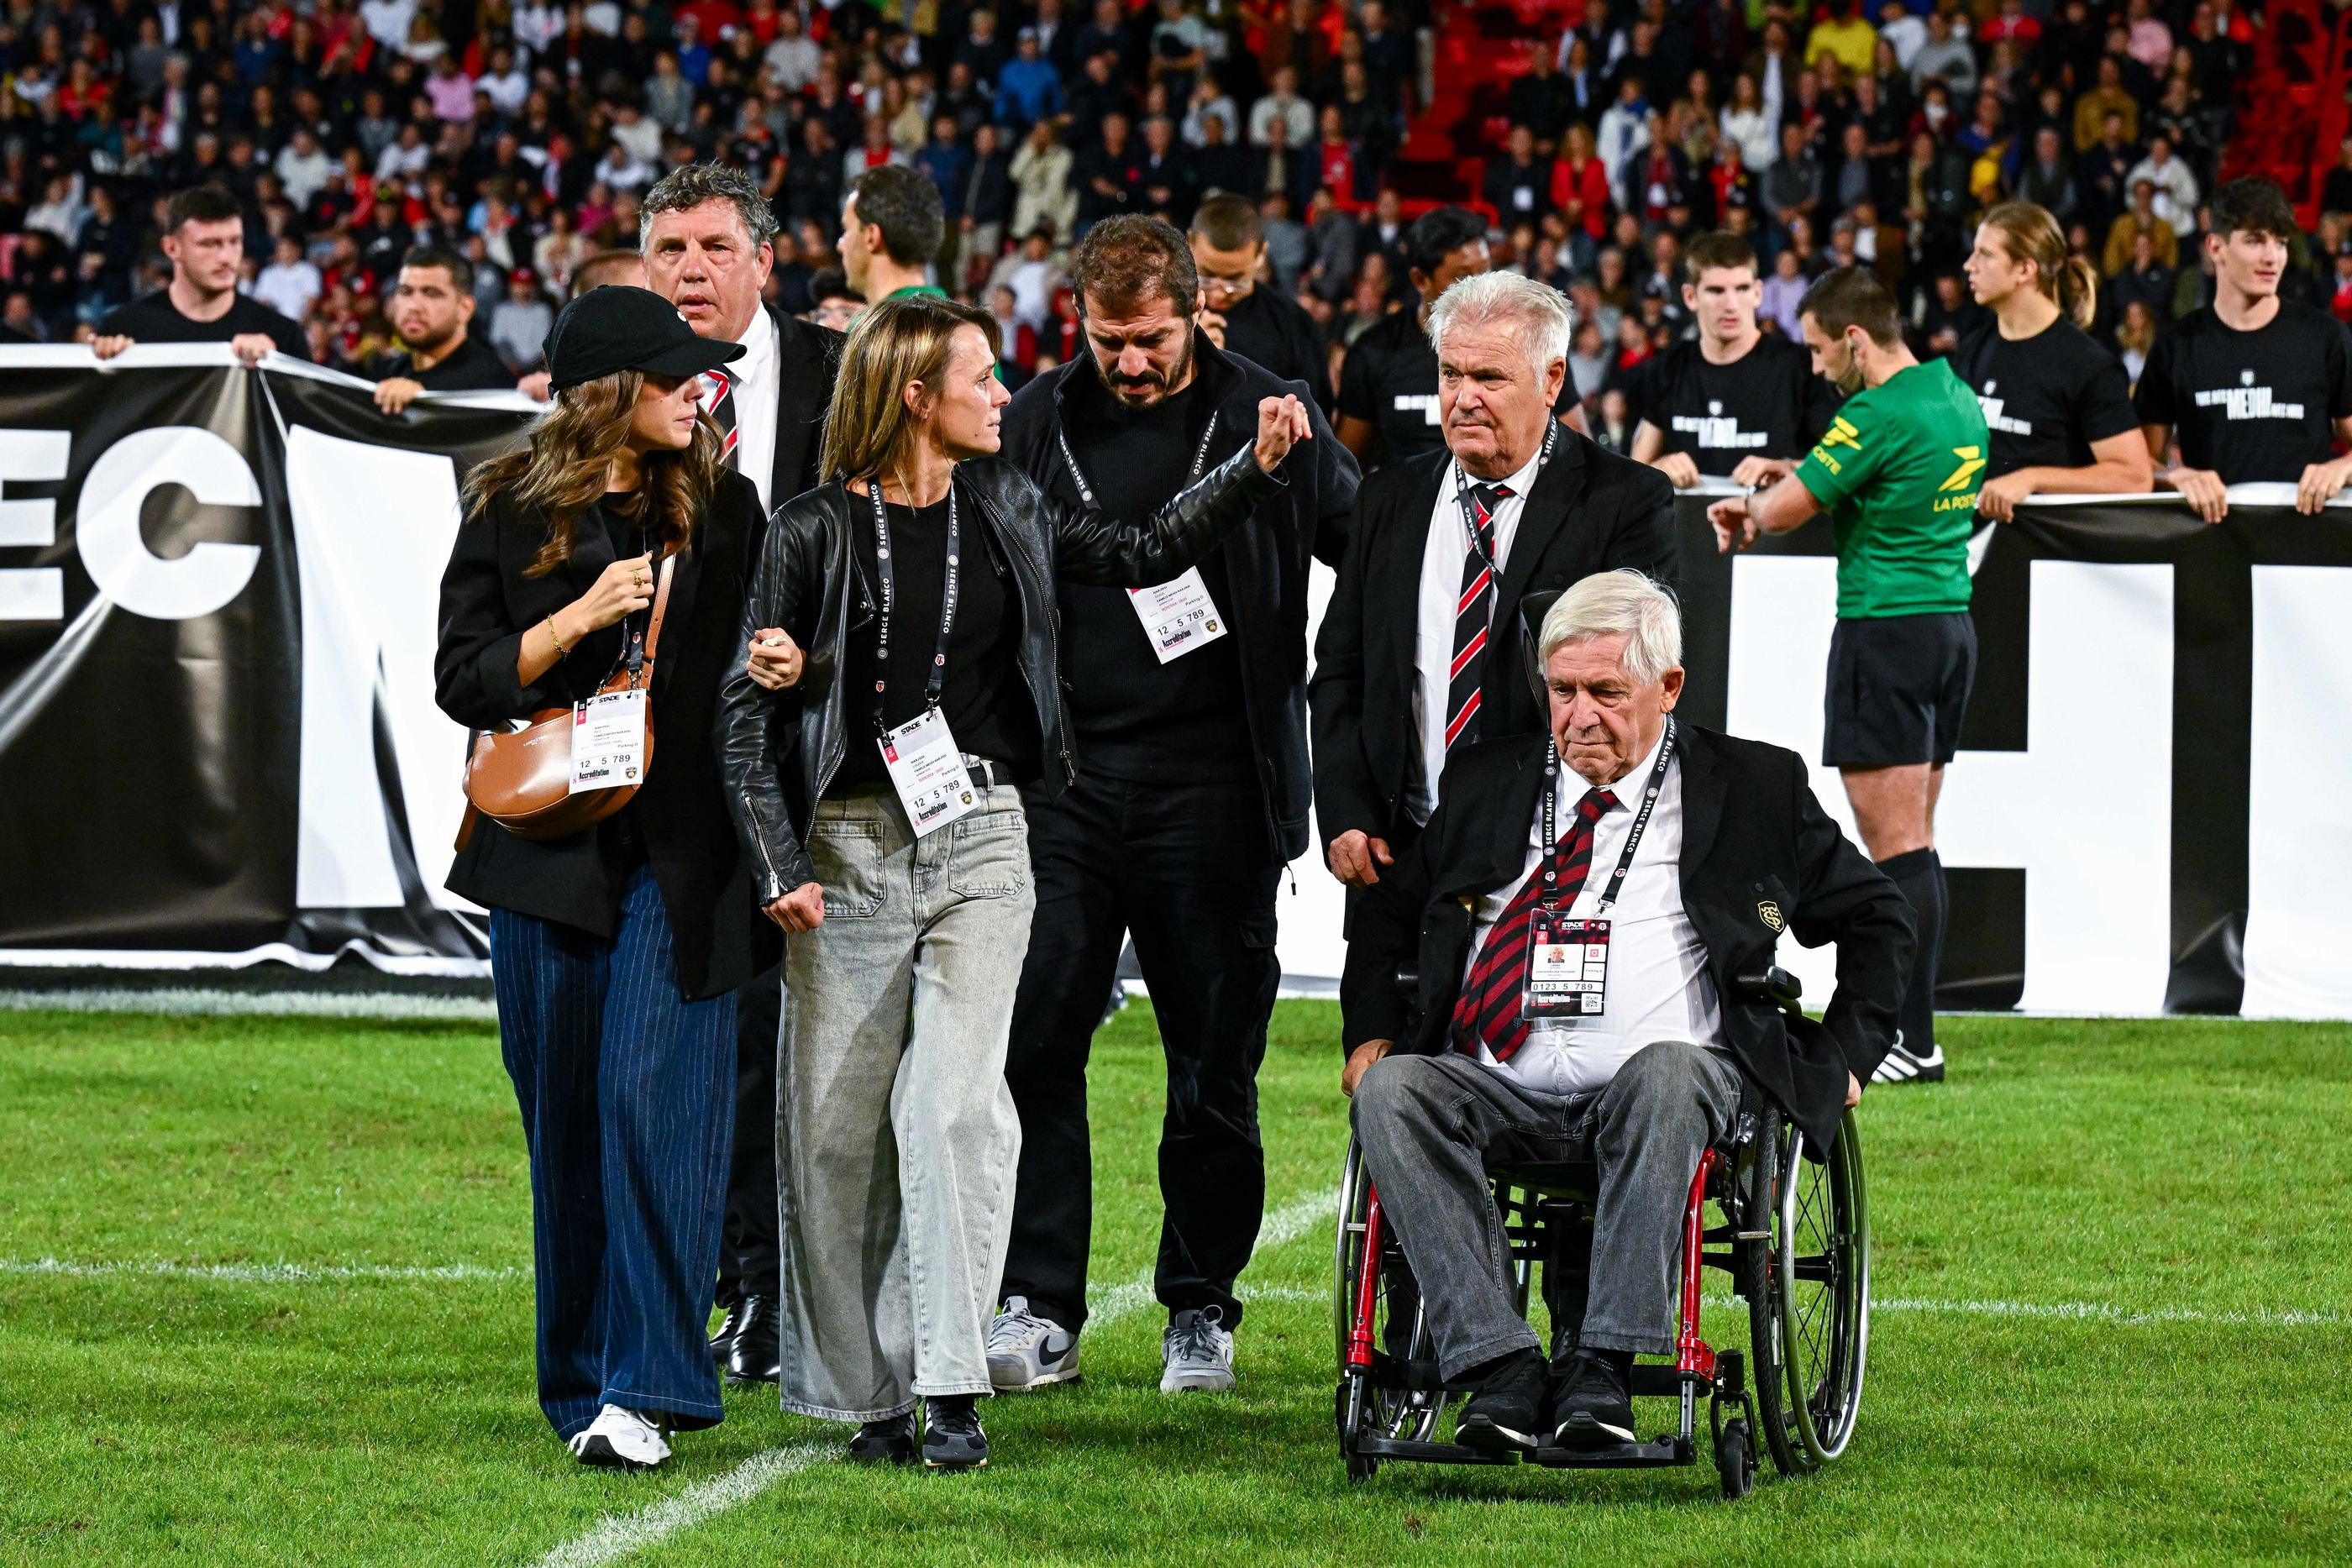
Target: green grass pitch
pixel 263 1299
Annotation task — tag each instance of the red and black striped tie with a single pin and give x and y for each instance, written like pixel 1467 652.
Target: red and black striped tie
pixel 1473 610
pixel 1487 1011
pixel 719 400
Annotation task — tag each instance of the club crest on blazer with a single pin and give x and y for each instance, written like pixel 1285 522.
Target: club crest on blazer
pixel 1769 914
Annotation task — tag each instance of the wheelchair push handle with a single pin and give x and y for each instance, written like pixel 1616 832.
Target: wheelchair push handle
pixel 1775 987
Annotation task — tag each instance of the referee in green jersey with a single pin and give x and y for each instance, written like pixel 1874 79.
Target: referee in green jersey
pixel 1897 471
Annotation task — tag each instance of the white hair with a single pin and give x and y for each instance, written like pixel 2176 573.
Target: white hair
pixel 1619 603
pixel 1536 314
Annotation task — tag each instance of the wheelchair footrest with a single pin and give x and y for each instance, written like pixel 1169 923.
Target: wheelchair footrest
pixel 1669 1451
pixel 1430 1453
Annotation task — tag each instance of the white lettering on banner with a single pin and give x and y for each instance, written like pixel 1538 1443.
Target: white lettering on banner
pixel 2086 810
pixel 31 456
pixel 1426 401
pixel 373 528
pixel 115 553
pixel 2299 795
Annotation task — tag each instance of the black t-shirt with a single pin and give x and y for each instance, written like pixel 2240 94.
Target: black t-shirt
pixel 1390 380
pixel 1766 403
pixel 985 697
pixel 2045 398
pixel 2255 405
pixel 472 366
pixel 153 318
pixel 1136 718
pixel 1271 331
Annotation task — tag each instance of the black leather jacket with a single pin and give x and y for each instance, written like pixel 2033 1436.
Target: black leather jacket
pixel 780 750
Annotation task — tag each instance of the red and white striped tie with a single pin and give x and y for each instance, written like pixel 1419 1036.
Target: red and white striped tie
pixel 1471 613
pixel 719 399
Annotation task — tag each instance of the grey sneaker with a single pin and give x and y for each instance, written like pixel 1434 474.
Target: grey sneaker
pixel 1197 1352
pixel 1025 1350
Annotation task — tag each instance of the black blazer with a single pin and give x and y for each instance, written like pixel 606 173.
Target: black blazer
pixel 1590 511
pixel 1756 849
pixel 487 606
pixel 808 360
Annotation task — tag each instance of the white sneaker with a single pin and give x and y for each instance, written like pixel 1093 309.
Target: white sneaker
pixel 1025 1350
pixel 1902 1066
pixel 1196 1353
pixel 621 1439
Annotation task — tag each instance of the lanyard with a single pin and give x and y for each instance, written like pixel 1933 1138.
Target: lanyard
pixel 1085 491
pixel 1470 514
pixel 1641 823
pixel 937 683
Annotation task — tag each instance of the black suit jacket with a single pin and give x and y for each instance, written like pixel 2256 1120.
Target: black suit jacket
pixel 1590 511
pixel 1756 847
pixel 488 604
pixel 808 357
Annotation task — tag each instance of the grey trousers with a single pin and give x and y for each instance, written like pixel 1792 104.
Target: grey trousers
pixel 1429 1124
pixel 895 1136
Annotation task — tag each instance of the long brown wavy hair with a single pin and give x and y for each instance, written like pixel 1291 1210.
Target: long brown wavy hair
pixel 563 471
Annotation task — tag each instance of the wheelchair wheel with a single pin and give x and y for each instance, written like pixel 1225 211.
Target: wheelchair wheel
pixel 1809 1295
pixel 1398 1329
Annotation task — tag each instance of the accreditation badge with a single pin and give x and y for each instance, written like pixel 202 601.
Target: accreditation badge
pixel 608 741
pixel 1178 616
pixel 1567 967
pixel 927 768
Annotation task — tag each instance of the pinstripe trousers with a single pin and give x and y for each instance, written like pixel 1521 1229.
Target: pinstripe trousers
pixel 629 1106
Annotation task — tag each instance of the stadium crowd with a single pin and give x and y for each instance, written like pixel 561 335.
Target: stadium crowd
pixel 519 138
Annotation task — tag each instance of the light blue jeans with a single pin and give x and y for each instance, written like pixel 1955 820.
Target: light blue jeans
pixel 895 1137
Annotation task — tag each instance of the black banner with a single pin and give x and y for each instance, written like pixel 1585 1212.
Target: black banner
pixel 2210 573
pixel 153 662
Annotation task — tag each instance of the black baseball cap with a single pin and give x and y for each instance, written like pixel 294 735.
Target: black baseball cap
pixel 623 328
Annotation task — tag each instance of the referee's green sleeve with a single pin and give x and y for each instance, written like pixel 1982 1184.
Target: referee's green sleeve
pixel 1844 458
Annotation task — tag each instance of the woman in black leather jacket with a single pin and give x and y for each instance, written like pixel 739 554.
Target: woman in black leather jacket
pixel 879 804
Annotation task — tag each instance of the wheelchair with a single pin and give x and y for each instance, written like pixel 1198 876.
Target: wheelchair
pixel 1793 1235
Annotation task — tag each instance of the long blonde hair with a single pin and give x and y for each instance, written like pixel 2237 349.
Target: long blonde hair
pixel 2029 234
pixel 563 471
pixel 896 342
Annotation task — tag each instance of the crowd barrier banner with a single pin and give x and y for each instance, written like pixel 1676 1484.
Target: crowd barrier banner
pixel 218 743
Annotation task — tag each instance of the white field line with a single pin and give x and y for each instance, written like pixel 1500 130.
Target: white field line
pixel 619 1536
pixel 261 1273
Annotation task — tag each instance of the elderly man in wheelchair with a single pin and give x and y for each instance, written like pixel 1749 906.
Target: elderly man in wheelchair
pixel 1587 929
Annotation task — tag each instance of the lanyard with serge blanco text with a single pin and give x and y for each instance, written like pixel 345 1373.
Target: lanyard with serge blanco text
pixel 1086 491
pixel 1470 513
pixel 937 681
pixel 1650 793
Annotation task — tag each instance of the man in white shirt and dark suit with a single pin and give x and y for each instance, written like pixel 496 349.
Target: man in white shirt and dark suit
pixel 1676 855
pixel 1407 667
pixel 708 239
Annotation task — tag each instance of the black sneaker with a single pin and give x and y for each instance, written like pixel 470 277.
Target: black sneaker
pixel 1594 1408
pixel 1904 1065
pixel 890 1441
pixel 1501 1416
pixel 952 1439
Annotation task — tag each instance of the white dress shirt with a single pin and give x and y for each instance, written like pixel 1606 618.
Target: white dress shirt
pixel 758 385
pixel 1658 985
pixel 1446 548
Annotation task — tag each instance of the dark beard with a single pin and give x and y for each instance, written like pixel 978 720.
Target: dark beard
pixel 1178 374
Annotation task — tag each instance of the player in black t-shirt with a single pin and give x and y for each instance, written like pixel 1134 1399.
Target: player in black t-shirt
pixel 1228 240
pixel 1732 403
pixel 204 233
pixel 1388 387
pixel 2057 406
pixel 2257 388
pixel 432 309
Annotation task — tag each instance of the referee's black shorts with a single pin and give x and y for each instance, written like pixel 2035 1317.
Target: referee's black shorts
pixel 1897 687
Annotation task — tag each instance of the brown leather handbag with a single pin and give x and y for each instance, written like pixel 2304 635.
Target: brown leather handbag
pixel 522 778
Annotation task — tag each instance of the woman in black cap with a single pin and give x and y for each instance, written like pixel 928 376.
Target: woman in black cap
pixel 615 950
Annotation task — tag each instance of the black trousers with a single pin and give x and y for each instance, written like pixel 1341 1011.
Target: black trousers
pixel 749 1251
pixel 1186 870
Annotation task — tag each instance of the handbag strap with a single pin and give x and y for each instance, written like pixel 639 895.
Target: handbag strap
pixel 661 606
